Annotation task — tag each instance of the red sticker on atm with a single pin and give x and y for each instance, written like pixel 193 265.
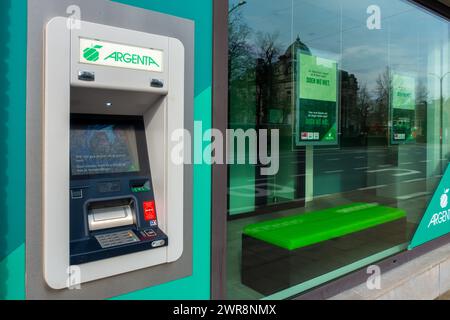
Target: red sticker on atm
pixel 149 211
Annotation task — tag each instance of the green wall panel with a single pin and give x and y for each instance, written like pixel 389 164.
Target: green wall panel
pixel 12 269
pixel 13 15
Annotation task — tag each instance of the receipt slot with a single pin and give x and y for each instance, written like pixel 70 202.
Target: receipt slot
pixel 112 197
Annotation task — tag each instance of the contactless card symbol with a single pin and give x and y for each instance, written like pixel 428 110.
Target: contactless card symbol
pixel 92 54
pixel 444 199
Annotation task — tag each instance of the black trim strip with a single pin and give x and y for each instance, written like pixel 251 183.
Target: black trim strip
pixel 436 7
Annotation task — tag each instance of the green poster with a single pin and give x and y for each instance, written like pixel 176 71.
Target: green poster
pixel 403 109
pixel 317 106
pixel 436 220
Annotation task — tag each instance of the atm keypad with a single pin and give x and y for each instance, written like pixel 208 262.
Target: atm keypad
pixel 117 239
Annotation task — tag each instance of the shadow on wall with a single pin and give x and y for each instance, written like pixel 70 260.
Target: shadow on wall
pixel 4 116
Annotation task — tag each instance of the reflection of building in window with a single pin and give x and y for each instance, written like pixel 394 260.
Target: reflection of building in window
pixel 265 92
pixel 284 81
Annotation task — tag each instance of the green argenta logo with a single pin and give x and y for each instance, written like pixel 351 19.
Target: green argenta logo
pixel 110 54
pixel 91 54
pixel 134 59
pixel 443 215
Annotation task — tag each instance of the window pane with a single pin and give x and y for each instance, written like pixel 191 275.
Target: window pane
pixel 359 93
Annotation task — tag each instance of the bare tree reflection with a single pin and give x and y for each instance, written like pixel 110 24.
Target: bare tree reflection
pixel 267 52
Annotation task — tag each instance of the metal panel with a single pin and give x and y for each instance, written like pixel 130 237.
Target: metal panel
pixel 220 171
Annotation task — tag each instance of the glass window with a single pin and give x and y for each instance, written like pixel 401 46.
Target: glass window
pixel 359 93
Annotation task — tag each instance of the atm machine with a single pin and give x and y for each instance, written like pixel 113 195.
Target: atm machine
pixel 112 203
pixel 112 196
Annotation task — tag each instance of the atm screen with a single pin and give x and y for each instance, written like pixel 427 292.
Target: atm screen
pixel 103 149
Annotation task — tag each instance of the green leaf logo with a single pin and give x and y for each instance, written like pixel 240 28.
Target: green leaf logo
pixel 91 54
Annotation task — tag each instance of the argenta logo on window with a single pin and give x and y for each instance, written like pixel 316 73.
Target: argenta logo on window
pixel 443 215
pixel 121 56
pixel 436 220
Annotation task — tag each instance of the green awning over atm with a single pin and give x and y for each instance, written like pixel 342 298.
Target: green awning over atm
pixel 301 230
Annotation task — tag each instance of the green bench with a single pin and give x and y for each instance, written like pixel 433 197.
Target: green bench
pixel 279 253
pixel 302 230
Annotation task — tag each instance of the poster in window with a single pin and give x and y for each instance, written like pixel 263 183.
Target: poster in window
pixel 317 102
pixel 403 109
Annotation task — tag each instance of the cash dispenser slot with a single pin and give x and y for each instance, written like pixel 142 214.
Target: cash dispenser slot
pixel 111 214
